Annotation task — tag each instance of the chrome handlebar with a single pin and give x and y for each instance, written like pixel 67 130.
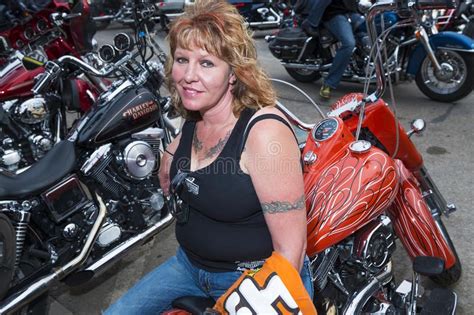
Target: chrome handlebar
pixel 53 70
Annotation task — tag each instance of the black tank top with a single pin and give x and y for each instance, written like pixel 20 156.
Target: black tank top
pixel 225 229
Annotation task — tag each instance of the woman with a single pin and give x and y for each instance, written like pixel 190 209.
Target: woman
pixel 235 167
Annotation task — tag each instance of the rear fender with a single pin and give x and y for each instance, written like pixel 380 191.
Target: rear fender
pixel 442 40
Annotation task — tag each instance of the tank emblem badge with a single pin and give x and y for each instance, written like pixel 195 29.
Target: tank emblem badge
pixel 140 110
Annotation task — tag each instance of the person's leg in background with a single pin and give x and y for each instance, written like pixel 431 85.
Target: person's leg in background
pixel 341 28
pixel 315 14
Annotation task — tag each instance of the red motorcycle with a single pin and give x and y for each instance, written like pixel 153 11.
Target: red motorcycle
pixel 32 126
pixel 366 187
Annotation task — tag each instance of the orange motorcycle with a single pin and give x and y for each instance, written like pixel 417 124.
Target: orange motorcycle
pixel 366 186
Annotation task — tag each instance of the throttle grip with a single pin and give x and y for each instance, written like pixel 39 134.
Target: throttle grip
pixel 45 79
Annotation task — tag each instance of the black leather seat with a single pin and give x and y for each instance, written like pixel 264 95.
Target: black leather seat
pixel 54 166
pixel 195 305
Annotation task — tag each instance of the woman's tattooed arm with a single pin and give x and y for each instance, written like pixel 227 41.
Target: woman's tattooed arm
pixel 283 206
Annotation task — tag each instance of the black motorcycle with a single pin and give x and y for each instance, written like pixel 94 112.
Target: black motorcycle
pixel 94 196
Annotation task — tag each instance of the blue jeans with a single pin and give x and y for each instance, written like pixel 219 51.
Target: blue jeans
pixel 341 28
pixel 178 277
pixel 316 11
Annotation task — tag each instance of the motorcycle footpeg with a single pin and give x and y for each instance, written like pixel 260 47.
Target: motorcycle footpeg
pixel 441 301
pixel 428 266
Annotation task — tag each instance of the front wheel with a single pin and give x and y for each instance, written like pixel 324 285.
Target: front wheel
pixel 303 75
pixel 453 82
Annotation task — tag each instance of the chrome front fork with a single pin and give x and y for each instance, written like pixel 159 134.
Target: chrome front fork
pixel 425 41
pixel 432 195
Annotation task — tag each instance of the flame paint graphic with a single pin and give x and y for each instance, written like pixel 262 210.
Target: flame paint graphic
pixel 348 194
pixel 414 223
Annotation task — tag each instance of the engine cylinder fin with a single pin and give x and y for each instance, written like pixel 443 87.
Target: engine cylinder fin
pixel 321 266
pixel 155 145
pixel 110 185
pixel 100 167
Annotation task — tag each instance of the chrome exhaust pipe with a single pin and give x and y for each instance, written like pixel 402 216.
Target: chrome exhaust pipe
pixel 310 67
pixel 103 18
pixel 358 299
pixel 118 252
pixel 21 298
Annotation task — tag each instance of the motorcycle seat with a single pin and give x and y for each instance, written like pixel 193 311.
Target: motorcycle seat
pixel 54 166
pixel 193 304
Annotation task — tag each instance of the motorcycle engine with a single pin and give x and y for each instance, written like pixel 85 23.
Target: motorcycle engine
pixel 375 244
pixel 266 15
pixel 139 159
pixel 123 172
pixel 32 111
pixel 19 148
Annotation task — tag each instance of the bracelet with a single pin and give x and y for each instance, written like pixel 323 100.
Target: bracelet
pixel 169 152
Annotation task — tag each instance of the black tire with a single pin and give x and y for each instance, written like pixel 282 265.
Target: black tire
pixel 452 275
pixel 450 85
pixel 303 75
pixel 469 28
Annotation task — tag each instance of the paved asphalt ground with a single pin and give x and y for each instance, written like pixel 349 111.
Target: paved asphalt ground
pixel 447 146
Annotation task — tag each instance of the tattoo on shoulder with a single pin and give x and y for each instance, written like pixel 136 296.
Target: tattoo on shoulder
pixel 283 206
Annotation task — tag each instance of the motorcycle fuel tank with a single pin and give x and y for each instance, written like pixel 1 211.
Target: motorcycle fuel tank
pixel 131 111
pixel 16 81
pixel 347 184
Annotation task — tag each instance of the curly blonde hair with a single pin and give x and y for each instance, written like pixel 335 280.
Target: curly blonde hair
pixel 218 28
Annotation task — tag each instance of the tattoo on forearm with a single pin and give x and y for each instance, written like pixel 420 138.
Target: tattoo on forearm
pixel 283 206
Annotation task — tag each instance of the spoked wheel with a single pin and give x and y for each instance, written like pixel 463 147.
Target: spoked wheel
pixel 303 75
pixel 7 254
pixel 9 275
pixel 453 82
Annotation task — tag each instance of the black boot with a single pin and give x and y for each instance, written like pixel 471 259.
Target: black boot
pixel 309 29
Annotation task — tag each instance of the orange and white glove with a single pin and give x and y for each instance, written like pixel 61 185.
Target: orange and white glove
pixel 276 288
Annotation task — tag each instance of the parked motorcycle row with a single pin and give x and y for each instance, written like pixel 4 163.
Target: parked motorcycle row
pixel 76 197
pixel 441 63
pixel 259 15
pixel 90 196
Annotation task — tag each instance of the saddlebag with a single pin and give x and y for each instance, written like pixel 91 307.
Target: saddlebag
pixel 288 43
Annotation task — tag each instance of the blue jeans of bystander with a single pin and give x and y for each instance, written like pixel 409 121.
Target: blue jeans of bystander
pixel 341 28
pixel 178 277
pixel 316 12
